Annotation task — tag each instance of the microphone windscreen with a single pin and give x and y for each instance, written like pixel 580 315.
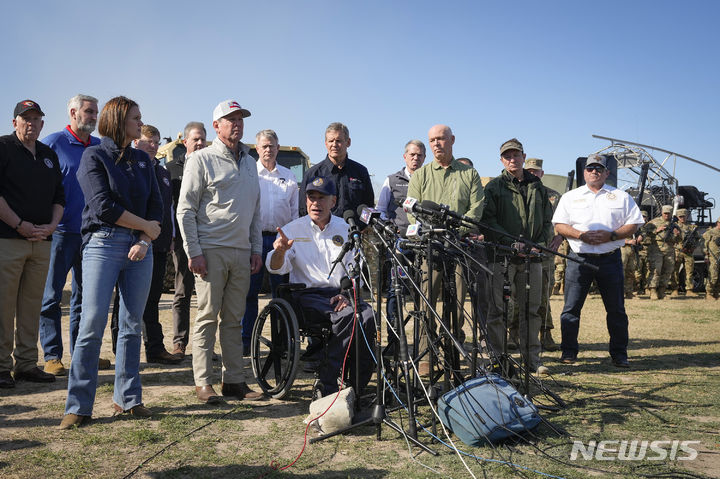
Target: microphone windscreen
pixel 360 209
pixel 429 205
pixel 348 214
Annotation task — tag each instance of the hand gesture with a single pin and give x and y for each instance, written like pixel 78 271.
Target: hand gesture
pixel 282 243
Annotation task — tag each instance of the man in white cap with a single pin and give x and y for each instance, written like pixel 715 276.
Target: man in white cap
pixel 596 218
pixel 219 217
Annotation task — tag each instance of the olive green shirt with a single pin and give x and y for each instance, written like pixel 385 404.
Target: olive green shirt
pixel 457 186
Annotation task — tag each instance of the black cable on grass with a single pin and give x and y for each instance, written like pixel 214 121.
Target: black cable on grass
pixel 176 441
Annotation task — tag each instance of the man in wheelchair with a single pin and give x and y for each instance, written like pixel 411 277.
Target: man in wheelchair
pixel 306 248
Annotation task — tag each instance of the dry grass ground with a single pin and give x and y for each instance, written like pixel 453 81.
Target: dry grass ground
pixel 670 393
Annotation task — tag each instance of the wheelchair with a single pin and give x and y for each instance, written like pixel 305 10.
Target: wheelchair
pixel 275 341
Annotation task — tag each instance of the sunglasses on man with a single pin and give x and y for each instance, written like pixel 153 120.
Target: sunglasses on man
pixel 597 168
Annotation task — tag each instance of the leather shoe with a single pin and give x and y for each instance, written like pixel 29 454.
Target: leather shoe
pixel 621 363
pixel 104 364
pixel 70 420
pixel 34 375
pixel 240 391
pixel 164 358
pixel 207 395
pixel 568 360
pixel 137 411
pixel 179 351
pixel 6 380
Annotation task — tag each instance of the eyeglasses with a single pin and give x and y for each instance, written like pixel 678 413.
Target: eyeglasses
pixel 597 168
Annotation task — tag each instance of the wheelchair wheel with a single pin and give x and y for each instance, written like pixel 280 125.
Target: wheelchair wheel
pixel 275 348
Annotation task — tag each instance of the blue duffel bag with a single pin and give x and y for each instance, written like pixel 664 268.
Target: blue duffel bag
pixel 485 410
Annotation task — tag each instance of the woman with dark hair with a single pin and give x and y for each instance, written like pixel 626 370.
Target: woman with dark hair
pixel 122 216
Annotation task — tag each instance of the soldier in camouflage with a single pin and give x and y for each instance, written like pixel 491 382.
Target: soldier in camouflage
pixel 682 257
pixel 661 253
pixel 559 287
pixel 641 269
pixel 711 248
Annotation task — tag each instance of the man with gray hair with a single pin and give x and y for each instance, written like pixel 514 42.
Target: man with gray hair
pixel 194 138
pixel 278 207
pixel 69 144
pixel 351 178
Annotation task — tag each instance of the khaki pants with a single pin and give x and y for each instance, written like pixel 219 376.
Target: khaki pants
pixel 433 295
pixel 495 323
pixel 23 271
pixel 221 302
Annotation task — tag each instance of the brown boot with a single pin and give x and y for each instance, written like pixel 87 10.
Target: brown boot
pixel 653 294
pixel 690 293
pixel 661 293
pixel 629 295
pixel 547 342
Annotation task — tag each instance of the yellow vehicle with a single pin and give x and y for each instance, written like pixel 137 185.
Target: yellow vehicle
pixel 291 157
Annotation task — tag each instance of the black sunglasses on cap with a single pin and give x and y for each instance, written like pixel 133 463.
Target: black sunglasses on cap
pixel 597 168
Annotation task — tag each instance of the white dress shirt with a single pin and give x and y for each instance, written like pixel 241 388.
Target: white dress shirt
pixel 309 258
pixel 608 209
pixel 278 196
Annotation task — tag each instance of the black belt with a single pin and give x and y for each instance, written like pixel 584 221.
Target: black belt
pixel 269 233
pixel 596 255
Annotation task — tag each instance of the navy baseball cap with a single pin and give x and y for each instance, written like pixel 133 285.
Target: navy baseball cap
pixel 321 184
pixel 26 105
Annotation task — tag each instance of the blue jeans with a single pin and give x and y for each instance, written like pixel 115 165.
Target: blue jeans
pixel 610 281
pixel 256 280
pixel 105 262
pixel 64 256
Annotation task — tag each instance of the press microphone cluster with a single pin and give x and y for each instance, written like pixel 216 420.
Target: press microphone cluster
pixel 371 217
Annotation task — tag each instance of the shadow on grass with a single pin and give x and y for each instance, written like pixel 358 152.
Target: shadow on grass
pixel 656 362
pixel 261 472
pixel 16 444
pixel 636 343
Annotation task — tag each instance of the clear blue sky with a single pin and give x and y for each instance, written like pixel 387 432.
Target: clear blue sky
pixel 550 73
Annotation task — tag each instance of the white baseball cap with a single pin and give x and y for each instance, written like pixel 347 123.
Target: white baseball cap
pixel 226 107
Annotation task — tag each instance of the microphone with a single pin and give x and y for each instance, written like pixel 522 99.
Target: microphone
pixel 410 205
pixel 371 216
pixel 345 248
pixel 349 217
pixel 443 211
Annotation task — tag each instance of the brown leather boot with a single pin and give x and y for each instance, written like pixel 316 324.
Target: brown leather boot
pixel 547 342
pixel 653 294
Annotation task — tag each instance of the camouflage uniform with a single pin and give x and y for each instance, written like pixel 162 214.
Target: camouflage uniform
pixel 711 248
pixel 629 267
pixel 642 269
pixel 559 287
pixel 661 255
pixel 683 258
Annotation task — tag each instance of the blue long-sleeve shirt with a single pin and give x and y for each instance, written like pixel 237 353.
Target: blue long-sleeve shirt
pixel 112 188
pixel 69 149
